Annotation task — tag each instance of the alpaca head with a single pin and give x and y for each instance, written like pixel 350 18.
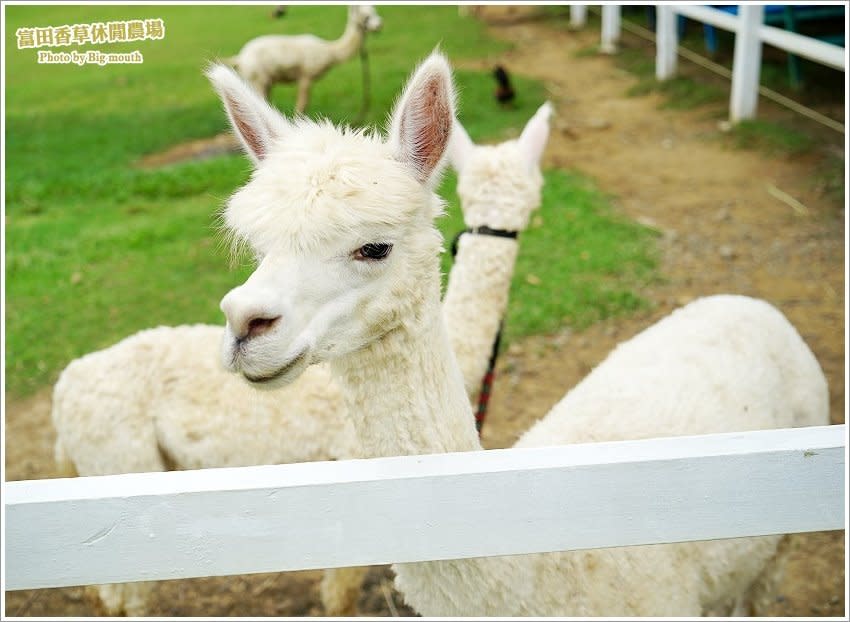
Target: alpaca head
pixel 499 185
pixel 340 222
pixel 365 16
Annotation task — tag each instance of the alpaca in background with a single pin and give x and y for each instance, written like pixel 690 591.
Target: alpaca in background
pixel 302 59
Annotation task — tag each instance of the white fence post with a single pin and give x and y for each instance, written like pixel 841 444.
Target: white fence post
pixel 747 63
pixel 610 28
pixel 666 42
pixel 578 15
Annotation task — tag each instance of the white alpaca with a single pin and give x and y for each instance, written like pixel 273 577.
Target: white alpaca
pixel 159 400
pixel 303 59
pixel 348 273
pixel 499 187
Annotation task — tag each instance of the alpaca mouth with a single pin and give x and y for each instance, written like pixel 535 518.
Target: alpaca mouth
pixel 281 371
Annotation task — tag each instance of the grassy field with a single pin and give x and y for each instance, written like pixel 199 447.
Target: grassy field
pixel 97 248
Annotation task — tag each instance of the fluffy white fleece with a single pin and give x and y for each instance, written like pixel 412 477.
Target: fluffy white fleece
pixel 720 364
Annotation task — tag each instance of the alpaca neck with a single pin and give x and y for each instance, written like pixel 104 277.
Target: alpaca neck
pixel 476 299
pixel 405 393
pixel 347 45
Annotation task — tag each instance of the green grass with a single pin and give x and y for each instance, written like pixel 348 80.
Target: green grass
pixel 771 137
pixel 686 94
pixel 579 262
pixel 97 249
pixel 681 92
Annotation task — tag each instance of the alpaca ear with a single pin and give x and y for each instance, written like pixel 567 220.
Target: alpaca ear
pixel 460 147
pixel 422 120
pixel 533 139
pixel 254 121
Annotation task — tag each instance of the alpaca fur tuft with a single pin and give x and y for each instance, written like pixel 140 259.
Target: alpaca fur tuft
pixel 333 183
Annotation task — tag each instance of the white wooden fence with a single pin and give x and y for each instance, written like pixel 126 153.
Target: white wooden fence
pixel 149 526
pixel 750 34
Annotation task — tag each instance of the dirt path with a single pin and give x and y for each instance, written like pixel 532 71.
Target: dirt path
pixel 722 232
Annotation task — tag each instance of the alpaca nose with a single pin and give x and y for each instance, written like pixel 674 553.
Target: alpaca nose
pixel 247 319
pixel 260 325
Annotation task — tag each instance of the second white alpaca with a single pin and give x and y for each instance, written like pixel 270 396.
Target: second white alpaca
pixel 499 186
pixel 303 59
pixel 351 276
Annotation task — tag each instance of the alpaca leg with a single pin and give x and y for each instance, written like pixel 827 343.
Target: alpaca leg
pixel 119 599
pixel 65 467
pixel 765 588
pixel 105 425
pixel 263 87
pixel 742 608
pixel 341 589
pixel 303 94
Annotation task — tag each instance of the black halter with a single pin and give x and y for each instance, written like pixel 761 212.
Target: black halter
pixel 487 381
pixel 483 230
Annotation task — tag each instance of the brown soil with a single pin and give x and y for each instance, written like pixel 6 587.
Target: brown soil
pixel 192 150
pixel 723 231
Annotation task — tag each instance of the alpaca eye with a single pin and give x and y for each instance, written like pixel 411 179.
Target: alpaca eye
pixel 372 251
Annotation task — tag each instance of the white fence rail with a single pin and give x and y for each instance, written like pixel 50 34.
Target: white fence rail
pixel 811 48
pixel 750 34
pixel 149 526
